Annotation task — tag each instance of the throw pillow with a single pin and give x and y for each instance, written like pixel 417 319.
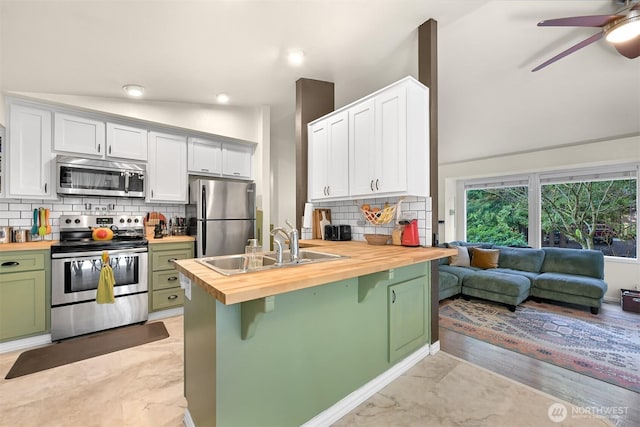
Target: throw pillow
pixel 462 259
pixel 485 258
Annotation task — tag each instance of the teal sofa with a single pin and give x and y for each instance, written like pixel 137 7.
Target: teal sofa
pixel 569 275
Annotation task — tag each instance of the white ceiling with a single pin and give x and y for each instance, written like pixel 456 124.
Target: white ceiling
pixel 188 51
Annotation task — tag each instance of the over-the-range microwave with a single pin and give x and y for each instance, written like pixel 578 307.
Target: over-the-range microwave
pixel 94 177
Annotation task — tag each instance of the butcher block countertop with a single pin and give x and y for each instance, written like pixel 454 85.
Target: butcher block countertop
pixel 38 245
pixel 363 259
pixel 171 239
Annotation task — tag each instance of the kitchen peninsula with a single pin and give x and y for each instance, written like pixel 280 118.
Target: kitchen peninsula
pixel 278 347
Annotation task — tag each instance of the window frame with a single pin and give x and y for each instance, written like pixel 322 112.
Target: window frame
pixel 535 180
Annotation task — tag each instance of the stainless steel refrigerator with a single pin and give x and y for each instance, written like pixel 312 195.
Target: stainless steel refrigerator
pixel 221 214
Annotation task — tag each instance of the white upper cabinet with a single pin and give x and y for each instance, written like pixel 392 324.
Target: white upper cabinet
pixel 126 142
pixel 30 162
pixel 205 157
pixel 167 168
pixel 237 160
pixel 79 135
pixel 388 143
pixel 329 158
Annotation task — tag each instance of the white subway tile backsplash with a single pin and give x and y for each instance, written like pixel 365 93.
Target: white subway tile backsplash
pixel 19 212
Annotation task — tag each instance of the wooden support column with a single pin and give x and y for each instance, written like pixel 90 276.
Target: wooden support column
pixel 314 98
pixel 428 75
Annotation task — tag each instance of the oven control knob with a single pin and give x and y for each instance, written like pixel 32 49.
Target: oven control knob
pixel 128 219
pixel 136 220
pixel 121 220
pixel 68 221
pixel 77 221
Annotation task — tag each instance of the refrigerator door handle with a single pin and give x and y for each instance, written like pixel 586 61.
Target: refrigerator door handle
pixel 204 221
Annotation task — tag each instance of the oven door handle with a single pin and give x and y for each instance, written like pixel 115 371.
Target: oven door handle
pixel 99 253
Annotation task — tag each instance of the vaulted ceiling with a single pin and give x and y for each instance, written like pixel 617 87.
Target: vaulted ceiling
pixel 188 51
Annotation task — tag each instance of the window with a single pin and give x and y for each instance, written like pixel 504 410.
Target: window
pixel 581 209
pixel 591 212
pixel 498 213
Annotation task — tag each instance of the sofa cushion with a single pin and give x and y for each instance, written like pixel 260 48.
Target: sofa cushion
pixel 523 259
pixel 485 258
pixel 528 274
pixel 500 283
pixel 571 284
pixel 573 261
pixel 447 280
pixel 462 259
pixel 459 272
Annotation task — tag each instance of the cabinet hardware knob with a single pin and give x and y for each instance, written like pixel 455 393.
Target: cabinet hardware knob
pixel 393 296
pixel 45 187
pixel 172 297
pixel 377 184
pixel 236 173
pixel 204 170
pixel 172 279
pixel 98 148
pixel 10 264
pixel 328 190
pixel 371 185
pixel 109 149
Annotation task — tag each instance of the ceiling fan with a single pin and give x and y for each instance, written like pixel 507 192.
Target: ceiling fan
pixel 621 29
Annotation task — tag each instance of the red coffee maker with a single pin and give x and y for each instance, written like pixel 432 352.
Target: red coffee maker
pixel 410 236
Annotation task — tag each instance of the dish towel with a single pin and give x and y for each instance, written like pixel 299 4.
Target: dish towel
pixel 105 282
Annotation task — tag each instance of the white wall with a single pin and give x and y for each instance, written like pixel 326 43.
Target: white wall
pixel 619 274
pixel 235 122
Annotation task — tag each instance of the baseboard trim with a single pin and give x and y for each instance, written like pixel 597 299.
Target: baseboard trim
pixel 611 300
pixel 434 348
pixel 188 421
pixel 24 343
pixel 171 312
pixel 351 401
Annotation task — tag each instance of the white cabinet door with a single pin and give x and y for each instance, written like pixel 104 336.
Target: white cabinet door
pixel 78 135
pixel 362 149
pixel 126 142
pixel 167 168
pixel 338 156
pixel 237 160
pixel 328 175
pixel 391 141
pixel 30 160
pixel 205 156
pixel 318 140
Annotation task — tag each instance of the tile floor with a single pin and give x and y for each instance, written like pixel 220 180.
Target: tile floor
pixel 143 386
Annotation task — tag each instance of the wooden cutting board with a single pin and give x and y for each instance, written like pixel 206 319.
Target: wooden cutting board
pixel 317 217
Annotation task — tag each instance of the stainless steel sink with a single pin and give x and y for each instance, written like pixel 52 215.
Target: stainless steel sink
pixel 239 264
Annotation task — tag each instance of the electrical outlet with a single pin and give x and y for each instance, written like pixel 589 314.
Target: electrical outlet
pixel 99 208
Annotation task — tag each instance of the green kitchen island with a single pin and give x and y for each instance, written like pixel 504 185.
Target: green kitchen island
pixel 280 347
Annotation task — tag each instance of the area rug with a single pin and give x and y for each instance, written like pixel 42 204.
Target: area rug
pixel 85 347
pixel 606 346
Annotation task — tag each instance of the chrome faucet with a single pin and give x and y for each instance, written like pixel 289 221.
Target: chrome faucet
pixel 294 246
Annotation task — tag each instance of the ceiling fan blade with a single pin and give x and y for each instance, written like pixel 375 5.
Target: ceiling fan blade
pixel 583 43
pixel 630 48
pixel 580 21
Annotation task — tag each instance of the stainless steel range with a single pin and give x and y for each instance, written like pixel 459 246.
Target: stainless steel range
pixel 75 269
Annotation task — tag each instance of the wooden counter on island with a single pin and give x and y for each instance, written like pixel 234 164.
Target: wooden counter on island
pixel 362 259
pixel 301 345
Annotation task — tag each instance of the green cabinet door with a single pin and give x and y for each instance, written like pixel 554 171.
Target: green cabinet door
pixel 22 304
pixel 164 283
pixel 407 317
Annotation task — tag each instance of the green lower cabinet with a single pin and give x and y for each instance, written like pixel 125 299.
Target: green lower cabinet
pixel 306 349
pixel 407 317
pixel 22 304
pixel 164 283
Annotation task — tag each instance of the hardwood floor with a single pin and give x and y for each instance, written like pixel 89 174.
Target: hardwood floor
pixel 619 405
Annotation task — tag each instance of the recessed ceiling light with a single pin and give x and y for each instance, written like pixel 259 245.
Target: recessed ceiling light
pixel 295 57
pixel 135 91
pixel 222 98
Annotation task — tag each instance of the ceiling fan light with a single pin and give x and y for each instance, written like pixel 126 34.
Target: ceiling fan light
pixel 623 30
